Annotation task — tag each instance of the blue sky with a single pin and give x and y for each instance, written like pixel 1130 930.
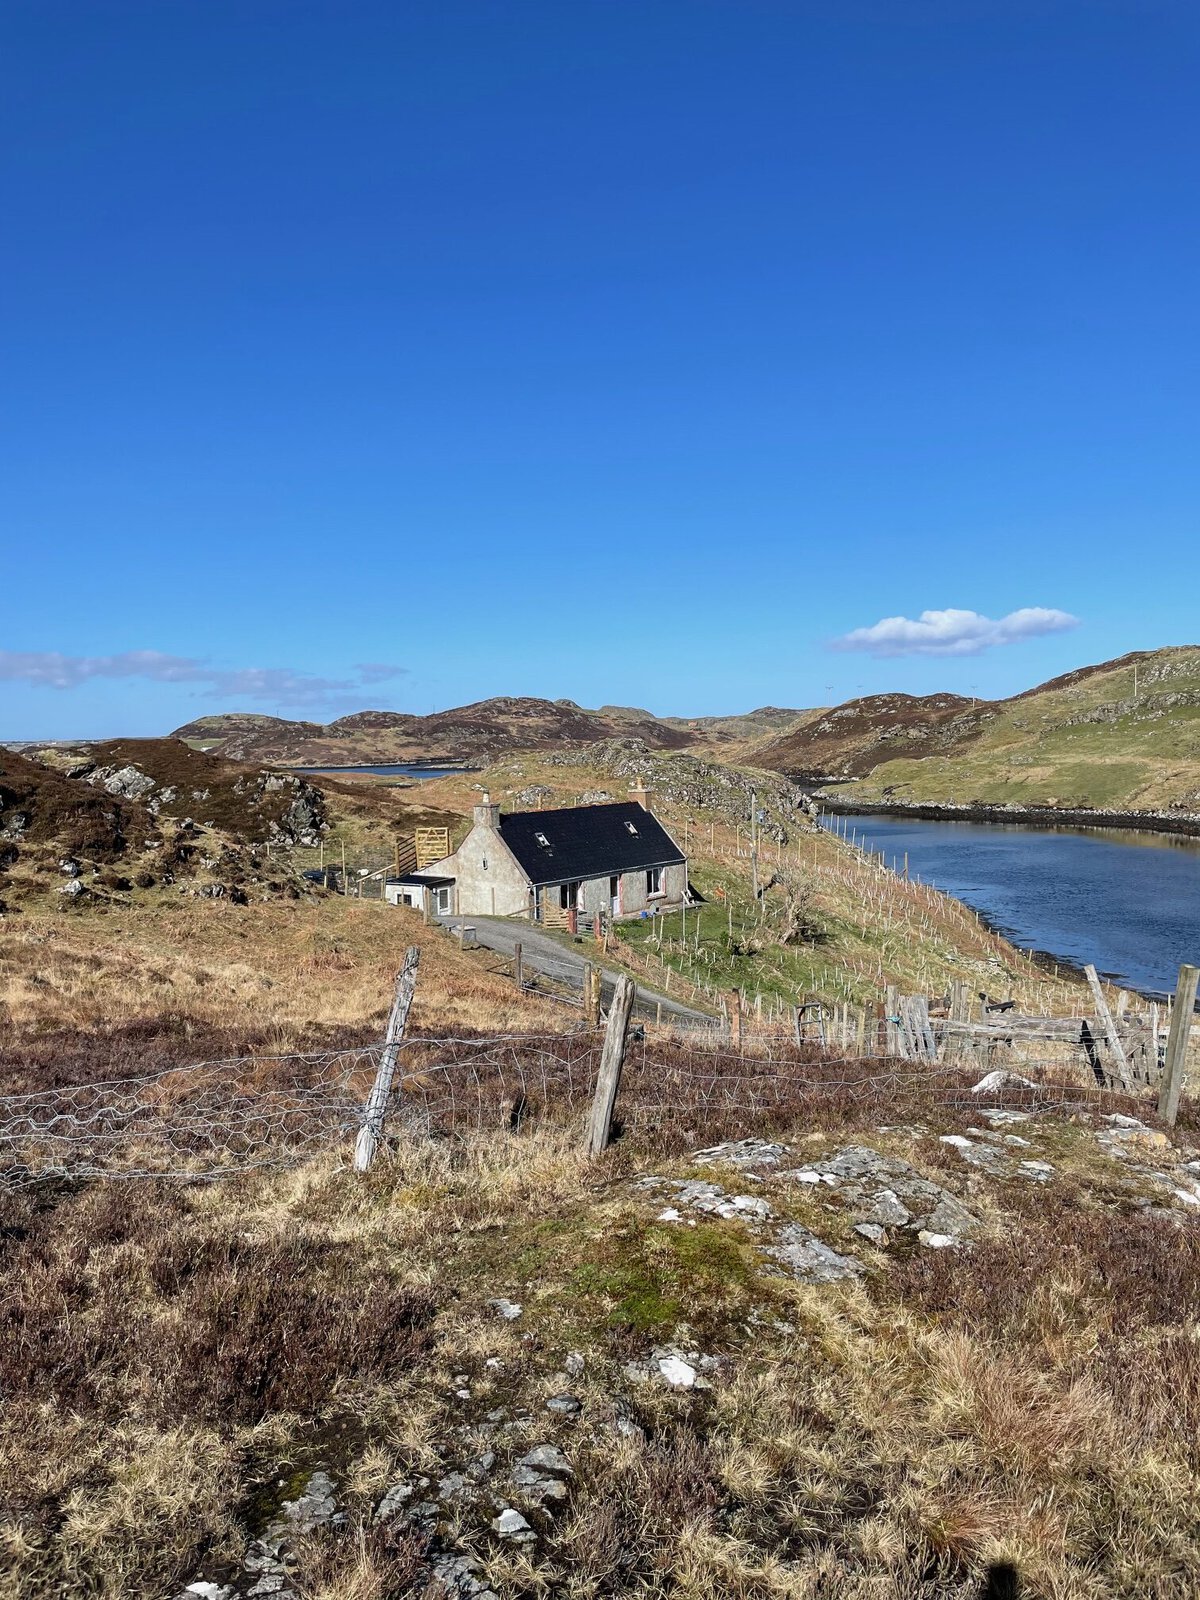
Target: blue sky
pixel 625 350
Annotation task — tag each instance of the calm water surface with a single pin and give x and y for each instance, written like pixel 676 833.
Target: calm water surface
pixel 400 771
pixel 1128 902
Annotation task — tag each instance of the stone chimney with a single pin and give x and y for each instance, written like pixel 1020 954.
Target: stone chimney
pixel 643 795
pixel 487 815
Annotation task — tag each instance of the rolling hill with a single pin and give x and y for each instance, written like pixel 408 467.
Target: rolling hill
pixel 1121 735
pixel 470 735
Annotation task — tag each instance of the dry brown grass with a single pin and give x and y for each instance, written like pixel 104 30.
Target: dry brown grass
pixel 1035 1399
pixel 169 1353
pixel 281 972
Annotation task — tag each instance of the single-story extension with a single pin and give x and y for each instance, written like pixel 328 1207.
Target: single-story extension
pixel 413 888
pixel 616 858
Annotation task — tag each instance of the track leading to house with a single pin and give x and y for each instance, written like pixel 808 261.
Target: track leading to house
pixel 545 955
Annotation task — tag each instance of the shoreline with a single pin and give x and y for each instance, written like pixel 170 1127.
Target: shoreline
pixel 1186 824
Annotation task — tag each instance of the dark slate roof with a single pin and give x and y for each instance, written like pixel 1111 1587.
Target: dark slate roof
pixel 587 841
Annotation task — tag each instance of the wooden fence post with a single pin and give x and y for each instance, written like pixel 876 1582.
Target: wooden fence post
pixel 518 975
pixel 371 1131
pixel 1175 1064
pixel 591 994
pixel 612 1059
pixel 1110 1028
pixel 891 1035
pixel 735 1018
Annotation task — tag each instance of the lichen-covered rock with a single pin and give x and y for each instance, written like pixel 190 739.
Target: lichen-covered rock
pixel 808 1258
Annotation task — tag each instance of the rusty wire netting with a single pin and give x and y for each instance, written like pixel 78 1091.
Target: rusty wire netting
pixel 212 1118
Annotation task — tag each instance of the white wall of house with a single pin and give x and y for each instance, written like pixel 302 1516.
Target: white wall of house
pixel 441 899
pixel 403 894
pixel 488 880
pixel 634 893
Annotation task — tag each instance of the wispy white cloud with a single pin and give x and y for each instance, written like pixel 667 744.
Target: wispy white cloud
pixel 277 686
pixel 954 633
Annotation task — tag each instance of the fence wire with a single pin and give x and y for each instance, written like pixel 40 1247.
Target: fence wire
pixel 201 1120
pixel 212 1118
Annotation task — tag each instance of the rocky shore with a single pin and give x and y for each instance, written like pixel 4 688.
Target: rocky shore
pixel 1180 822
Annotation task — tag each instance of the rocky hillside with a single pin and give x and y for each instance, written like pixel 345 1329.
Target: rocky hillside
pixel 1122 735
pixel 682 780
pixel 470 735
pixel 110 818
pixel 850 740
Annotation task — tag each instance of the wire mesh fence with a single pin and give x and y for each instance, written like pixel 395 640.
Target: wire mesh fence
pixel 213 1118
pixel 203 1119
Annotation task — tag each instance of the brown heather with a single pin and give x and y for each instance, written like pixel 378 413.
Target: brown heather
pixel 174 1359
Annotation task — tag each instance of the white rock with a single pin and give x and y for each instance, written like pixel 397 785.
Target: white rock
pixel 670 1215
pixel 957 1140
pixel 511 1524
pixel 508 1309
pixel 936 1241
pixel 677 1372
pixel 1187 1196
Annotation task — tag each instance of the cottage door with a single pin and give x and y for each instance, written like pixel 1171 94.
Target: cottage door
pixel 614 895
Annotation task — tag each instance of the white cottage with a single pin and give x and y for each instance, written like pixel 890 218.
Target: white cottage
pixel 615 858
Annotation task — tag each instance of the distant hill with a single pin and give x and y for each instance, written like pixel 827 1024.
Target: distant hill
pixel 850 740
pixel 726 734
pixel 1091 738
pixel 472 735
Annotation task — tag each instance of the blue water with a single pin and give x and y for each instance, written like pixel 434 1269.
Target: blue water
pixel 1127 902
pixel 385 771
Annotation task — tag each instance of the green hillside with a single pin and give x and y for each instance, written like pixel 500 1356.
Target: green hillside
pixel 1124 735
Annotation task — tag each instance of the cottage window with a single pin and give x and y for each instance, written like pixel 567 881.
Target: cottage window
pixel 654 880
pixel 568 895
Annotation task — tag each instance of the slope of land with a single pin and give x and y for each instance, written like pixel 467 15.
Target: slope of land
pixel 468 734
pixel 884 1348
pixel 832 924
pixel 115 822
pixel 850 740
pixel 732 735
pixel 1092 739
pixel 879 1356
